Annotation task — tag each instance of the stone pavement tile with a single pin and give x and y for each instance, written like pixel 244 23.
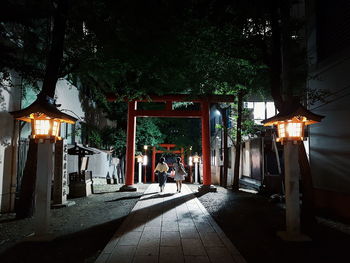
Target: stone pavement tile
pixel 169 216
pixel 111 245
pixel 197 259
pixel 130 239
pixel 149 242
pixel 134 226
pixel 186 223
pixel 155 222
pixel 219 254
pixel 102 258
pixel 122 254
pixel 210 239
pixel 188 232
pixel 143 259
pixel 184 216
pixel 193 247
pixel 170 225
pixel 171 255
pixel 170 239
pixel 204 227
pixel 149 248
pixel 151 233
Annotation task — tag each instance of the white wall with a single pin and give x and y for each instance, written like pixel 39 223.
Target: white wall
pixel 68 96
pixel 9 101
pixel 99 164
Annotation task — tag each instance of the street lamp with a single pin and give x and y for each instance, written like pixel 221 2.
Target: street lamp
pixel 290 123
pixel 45 121
pixel 139 159
pixel 196 159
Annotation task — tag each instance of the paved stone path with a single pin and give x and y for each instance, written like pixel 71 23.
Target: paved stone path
pixel 169 227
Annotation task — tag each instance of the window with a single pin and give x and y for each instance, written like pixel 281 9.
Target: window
pixel 270 109
pixel 261 110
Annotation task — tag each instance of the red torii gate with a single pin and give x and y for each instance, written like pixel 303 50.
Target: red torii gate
pixel 167 146
pixel 203 114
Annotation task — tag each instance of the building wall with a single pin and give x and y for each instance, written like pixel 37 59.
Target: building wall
pixel 9 101
pixel 330 139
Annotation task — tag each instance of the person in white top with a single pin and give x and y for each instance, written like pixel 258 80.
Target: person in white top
pixel 180 173
pixel 162 169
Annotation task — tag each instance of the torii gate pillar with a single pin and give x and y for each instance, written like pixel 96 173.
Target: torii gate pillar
pixel 207 186
pixel 130 149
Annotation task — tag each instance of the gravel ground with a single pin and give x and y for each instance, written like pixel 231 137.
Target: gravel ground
pixel 249 220
pixel 80 231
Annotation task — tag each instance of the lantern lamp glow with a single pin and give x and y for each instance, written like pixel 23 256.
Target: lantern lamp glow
pixel 139 158
pixel 45 119
pixel 292 130
pixel 44 127
pixel 291 122
pixel 190 161
pixel 196 158
pixel 144 160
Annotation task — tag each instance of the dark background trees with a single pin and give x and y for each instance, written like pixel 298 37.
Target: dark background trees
pixel 136 48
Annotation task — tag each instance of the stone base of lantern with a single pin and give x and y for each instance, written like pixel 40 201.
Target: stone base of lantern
pixel 80 189
pixel 65 204
pixel 128 188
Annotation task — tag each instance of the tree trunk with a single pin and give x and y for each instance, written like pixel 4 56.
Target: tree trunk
pixel 235 185
pixel 25 207
pixel 225 146
pixel 276 56
pixel 56 49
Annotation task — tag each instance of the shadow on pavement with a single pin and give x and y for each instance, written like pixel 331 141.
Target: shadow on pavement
pixel 130 197
pixel 83 246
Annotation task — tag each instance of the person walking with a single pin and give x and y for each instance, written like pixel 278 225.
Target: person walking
pixel 162 171
pixel 180 174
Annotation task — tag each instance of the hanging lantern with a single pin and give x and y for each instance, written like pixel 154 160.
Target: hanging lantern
pixel 291 122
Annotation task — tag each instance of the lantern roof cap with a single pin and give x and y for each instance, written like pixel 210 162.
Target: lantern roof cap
pixel 44 105
pixel 79 149
pixel 292 109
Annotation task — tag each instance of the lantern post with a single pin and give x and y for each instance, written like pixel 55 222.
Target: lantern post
pixel 45 121
pixel 190 163
pixel 195 160
pixel 291 122
pixel 139 159
pixel 145 162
